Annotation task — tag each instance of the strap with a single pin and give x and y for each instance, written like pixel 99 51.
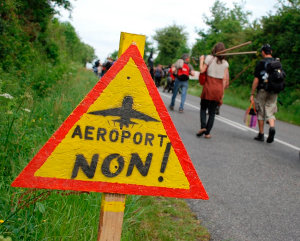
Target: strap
pixel 252 105
pixel 267 61
pixel 213 57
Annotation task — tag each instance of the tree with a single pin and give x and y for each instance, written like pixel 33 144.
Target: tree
pixel 172 43
pixel 230 26
pixel 225 25
pixel 148 49
pixel 282 31
pixel 36 50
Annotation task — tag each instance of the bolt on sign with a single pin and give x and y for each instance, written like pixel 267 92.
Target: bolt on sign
pixel 119 139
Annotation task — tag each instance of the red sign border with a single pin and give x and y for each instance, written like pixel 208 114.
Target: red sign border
pixel 27 179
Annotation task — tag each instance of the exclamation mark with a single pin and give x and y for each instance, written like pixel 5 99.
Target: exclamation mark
pixel 165 161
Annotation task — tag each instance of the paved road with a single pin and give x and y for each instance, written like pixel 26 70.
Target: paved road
pixel 254 188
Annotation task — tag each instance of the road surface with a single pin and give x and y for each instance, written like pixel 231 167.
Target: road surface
pixel 254 187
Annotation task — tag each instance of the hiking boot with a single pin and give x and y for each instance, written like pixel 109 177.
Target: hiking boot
pixel 180 110
pixel 272 132
pixel 171 107
pixel 260 137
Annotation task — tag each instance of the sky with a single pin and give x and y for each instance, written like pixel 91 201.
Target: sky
pixel 100 23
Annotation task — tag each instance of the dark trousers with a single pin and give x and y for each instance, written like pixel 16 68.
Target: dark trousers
pixel 211 106
pixel 157 81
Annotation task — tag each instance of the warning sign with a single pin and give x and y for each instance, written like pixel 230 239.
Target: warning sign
pixel 120 139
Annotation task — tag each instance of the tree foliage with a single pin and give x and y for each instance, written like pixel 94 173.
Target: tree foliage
pixel 172 43
pixel 282 31
pixel 35 48
pixel 232 27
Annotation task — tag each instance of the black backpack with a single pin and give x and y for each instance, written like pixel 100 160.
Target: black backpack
pixel 274 81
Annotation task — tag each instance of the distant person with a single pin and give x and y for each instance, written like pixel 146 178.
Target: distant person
pixel 99 70
pixel 158 74
pixel 151 64
pixel 213 89
pixel 95 66
pixel 106 66
pixel 183 71
pixel 265 100
pixel 170 79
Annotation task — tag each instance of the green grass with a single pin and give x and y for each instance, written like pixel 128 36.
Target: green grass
pixel 239 97
pixel 159 218
pixel 30 214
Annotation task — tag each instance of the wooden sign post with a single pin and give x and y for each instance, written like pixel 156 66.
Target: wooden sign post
pixel 119 140
pixel 112 204
pixel 111 217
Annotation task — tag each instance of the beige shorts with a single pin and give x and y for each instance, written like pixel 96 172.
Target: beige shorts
pixel 266 105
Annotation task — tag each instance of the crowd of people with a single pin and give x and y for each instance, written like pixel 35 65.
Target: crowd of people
pixel 100 69
pixel 217 70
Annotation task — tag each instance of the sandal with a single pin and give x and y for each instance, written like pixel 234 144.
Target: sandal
pixel 201 132
pixel 207 136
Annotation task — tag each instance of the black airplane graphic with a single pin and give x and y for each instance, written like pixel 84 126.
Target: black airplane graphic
pixel 125 112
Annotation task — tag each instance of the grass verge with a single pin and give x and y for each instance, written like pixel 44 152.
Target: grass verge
pixel 238 96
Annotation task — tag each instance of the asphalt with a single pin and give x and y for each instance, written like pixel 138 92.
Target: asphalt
pixel 254 187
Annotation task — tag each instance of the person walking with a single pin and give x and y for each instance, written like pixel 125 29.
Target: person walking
pixel 158 74
pixel 151 64
pixel 170 79
pixel 265 102
pixel 183 70
pixel 213 89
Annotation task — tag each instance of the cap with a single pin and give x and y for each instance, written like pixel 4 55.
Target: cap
pixel 185 56
pixel 266 48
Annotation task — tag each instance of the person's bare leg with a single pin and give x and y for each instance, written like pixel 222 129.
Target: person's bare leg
pixel 260 136
pixel 271 131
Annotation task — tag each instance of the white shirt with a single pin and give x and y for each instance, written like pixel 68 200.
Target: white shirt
pixel 214 69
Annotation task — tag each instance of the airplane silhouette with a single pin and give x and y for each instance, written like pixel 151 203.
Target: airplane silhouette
pixel 125 112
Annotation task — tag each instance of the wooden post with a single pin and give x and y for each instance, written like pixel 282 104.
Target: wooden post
pixel 111 217
pixel 112 204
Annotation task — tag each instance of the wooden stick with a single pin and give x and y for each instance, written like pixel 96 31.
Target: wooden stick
pixel 234 47
pixel 111 217
pixel 240 73
pixel 237 53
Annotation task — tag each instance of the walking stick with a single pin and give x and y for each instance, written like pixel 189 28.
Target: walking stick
pixel 237 53
pixel 234 47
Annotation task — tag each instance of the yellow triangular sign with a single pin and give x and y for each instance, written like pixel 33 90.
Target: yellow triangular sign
pixel 120 139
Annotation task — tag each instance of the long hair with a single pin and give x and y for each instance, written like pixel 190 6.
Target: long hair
pixel 217 48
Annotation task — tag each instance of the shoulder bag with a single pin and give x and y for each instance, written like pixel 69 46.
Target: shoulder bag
pixel 203 76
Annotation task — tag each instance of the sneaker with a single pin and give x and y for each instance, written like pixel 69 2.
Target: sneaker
pixel 180 110
pixel 171 107
pixel 260 137
pixel 271 135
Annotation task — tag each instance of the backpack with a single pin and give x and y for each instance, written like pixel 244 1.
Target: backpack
pixel 274 76
pixel 183 73
pixel 179 64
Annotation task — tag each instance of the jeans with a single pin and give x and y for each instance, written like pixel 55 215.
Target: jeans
pixel 211 105
pixel 177 85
